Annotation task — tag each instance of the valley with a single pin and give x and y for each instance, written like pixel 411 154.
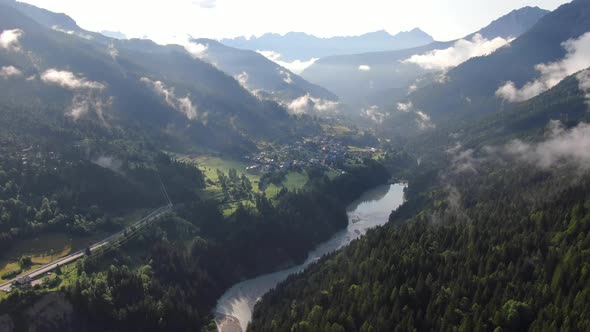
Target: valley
pixel 166 175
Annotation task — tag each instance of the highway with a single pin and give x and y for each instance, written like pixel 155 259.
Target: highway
pixel 104 244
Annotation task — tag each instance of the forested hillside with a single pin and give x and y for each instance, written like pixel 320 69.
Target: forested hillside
pixel 494 236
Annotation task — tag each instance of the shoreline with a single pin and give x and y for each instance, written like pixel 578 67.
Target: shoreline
pixel 239 300
pixel 227 323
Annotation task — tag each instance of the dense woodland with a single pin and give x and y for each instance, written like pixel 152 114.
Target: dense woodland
pixel 494 257
pixel 185 264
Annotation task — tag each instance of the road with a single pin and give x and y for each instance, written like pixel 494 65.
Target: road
pixel 39 272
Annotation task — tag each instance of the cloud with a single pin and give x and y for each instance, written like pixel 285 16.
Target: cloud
pixel 405 107
pixel 206 4
pixel 110 163
pixel 571 146
pixel 463 161
pixel 584 83
pixel 365 68
pixel 374 114
pixel 460 52
pixel 296 66
pixel 69 80
pixel 10 39
pixel 243 78
pixel 424 122
pixel 87 94
pixel 72 32
pixel 183 105
pixel 286 76
pixel 10 72
pixel 311 105
pixel 113 52
pixel 197 50
pixel 577 58
pixel 84 103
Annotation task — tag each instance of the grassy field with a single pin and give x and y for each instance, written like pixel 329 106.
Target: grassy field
pixel 335 130
pixel 210 164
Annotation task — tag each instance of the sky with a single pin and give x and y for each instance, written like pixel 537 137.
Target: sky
pixel 167 21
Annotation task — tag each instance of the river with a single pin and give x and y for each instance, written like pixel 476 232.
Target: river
pixel 234 308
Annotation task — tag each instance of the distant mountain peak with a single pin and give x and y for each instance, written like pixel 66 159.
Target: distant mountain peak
pixel 514 23
pixel 303 46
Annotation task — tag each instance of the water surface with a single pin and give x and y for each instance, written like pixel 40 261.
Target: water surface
pixel 371 210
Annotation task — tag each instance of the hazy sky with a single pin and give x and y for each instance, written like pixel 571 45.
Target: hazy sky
pixel 163 20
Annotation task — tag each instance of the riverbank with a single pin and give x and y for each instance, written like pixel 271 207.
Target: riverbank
pixel 371 210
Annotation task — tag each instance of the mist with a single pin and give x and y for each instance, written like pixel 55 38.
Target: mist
pixel 183 105
pixel 576 59
pixel 460 52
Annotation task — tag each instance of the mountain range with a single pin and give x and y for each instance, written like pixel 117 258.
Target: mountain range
pixel 300 46
pixel 379 78
pixel 266 79
pixel 163 91
pixel 552 49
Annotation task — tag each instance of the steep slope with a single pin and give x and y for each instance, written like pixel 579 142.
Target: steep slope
pixel 301 46
pixel 360 79
pixel 498 225
pixel 261 76
pixel 161 91
pixel 470 89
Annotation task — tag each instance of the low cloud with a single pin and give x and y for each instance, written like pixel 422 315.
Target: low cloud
pixel 243 78
pixel 72 32
pixel 560 147
pixel 110 163
pixel 10 72
pixel 113 52
pixel 10 39
pixel 286 76
pixel 296 66
pixel 88 95
pixel 197 50
pixel 364 68
pixel 584 83
pixel 405 107
pixel 423 120
pixel 181 104
pixel 460 52
pixel 577 58
pixel 463 161
pixel 84 103
pixel 311 105
pixel 374 114
pixel 570 146
pixel 69 80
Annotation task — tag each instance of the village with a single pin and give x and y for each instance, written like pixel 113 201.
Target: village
pixel 319 152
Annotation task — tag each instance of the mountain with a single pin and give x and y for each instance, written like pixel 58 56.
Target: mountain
pixel 489 240
pixel 379 78
pixel 162 91
pixel 301 46
pixel 261 76
pixel 552 49
pixel 114 34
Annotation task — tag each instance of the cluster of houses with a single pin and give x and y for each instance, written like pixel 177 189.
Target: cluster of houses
pixel 321 151
pixel 33 156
